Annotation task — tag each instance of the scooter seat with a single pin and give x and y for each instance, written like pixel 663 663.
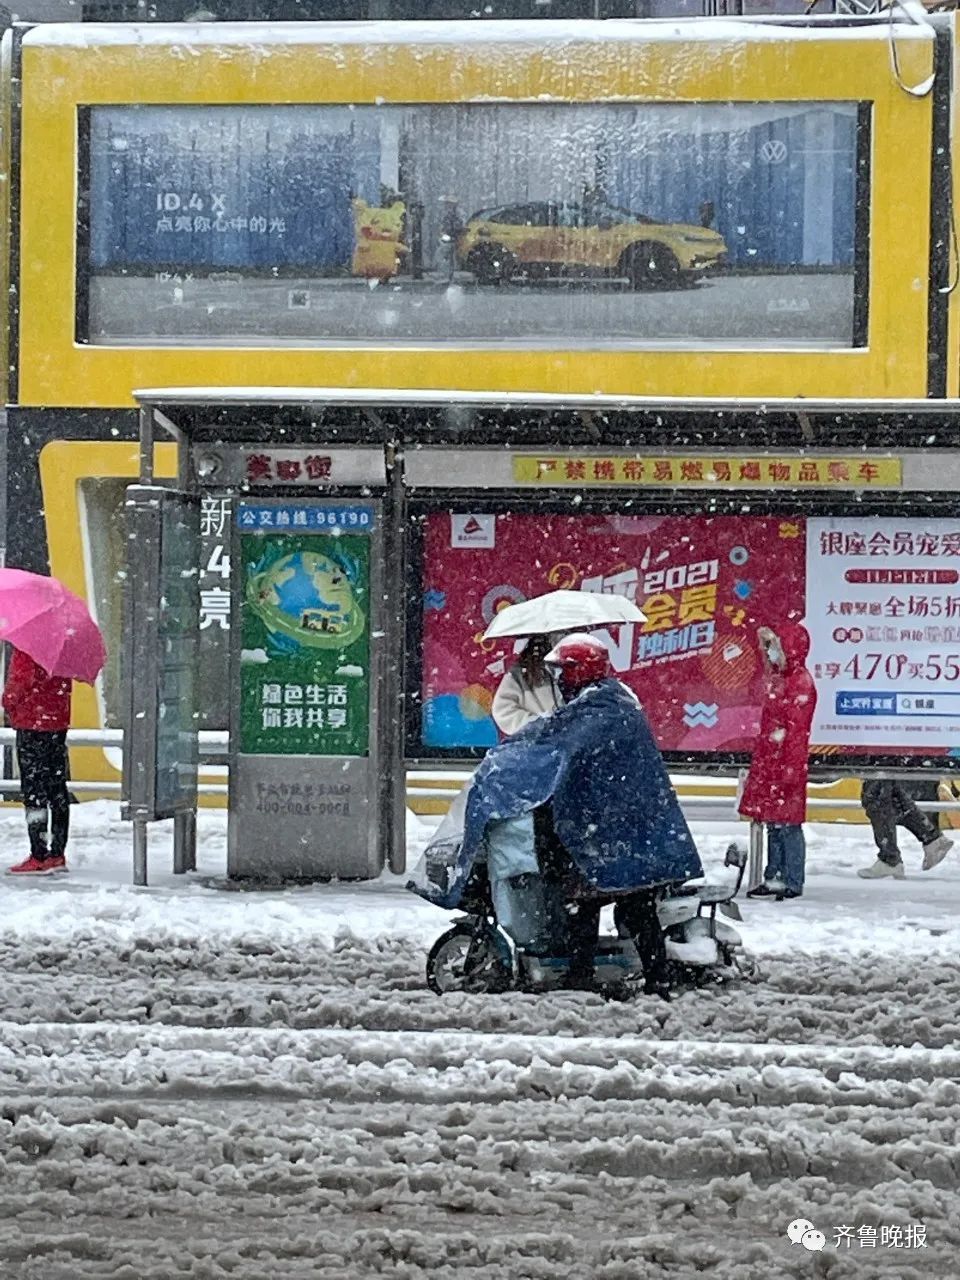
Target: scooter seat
pixel 718 891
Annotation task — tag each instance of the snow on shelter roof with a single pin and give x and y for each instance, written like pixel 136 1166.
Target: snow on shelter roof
pixel 318 397
pixel 492 33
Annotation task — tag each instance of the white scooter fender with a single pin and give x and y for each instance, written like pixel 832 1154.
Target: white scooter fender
pixel 678 909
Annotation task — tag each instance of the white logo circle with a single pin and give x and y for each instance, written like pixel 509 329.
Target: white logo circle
pixel 798 1229
pixel 773 151
pixel 813 1240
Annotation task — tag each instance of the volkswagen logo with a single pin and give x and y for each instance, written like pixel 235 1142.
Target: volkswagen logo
pixel 773 151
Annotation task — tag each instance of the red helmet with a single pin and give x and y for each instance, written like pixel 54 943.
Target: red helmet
pixel 581 659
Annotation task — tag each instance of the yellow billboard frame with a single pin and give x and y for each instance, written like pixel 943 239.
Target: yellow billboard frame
pixel 608 62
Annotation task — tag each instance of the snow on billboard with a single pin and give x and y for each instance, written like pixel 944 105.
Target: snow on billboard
pixel 880 596
pixel 338 221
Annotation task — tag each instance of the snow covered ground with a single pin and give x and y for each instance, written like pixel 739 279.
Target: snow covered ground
pixel 204 1082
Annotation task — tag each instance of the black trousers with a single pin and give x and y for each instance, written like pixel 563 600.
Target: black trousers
pixel 890 804
pixel 636 912
pixel 42 757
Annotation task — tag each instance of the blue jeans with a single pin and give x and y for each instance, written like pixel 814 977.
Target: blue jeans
pixel 786 855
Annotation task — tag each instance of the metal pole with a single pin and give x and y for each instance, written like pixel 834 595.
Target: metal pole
pixel 190 839
pixel 179 857
pixel 146 444
pixel 755 867
pixel 392 690
pixel 184 842
pixel 140 851
pixel 185 480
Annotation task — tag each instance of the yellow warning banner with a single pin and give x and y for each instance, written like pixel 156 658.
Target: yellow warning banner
pixel 703 471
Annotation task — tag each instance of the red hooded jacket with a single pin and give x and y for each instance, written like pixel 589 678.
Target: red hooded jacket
pixel 34 700
pixel 776 786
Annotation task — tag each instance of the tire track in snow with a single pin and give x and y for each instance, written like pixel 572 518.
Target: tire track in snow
pixel 380 986
pixel 171 1108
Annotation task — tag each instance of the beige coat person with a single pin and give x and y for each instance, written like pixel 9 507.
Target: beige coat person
pixel 519 700
pixel 527 691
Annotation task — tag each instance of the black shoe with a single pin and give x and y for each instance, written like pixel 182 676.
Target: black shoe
pixel 654 988
pixel 618 992
pixel 579 982
pixel 789 893
pixel 762 891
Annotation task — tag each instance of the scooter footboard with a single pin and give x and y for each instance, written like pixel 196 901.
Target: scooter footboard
pixel 700 951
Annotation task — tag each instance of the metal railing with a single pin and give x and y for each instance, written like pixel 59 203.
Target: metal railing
pixel 421 783
pixel 721 807
pixel 212 743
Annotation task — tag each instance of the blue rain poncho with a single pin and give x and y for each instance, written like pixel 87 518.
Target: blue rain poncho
pixel 614 807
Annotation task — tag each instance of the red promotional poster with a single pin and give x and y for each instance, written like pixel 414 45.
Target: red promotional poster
pixel 705 583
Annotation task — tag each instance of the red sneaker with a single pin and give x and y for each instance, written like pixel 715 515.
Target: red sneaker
pixel 35 867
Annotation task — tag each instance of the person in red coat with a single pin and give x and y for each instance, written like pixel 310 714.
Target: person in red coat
pixel 776 788
pixel 37 705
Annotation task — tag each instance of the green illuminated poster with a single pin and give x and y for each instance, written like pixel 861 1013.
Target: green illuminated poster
pixel 305 620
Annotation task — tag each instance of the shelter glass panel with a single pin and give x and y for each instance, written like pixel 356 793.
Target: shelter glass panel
pixel 103 533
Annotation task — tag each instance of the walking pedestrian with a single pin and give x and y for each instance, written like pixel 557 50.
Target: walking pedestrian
pixel 775 791
pixel 889 804
pixel 37 706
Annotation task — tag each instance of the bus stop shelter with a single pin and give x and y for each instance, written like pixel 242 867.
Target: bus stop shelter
pixel 336 496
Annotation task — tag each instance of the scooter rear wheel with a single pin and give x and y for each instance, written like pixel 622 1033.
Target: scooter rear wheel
pixel 747 967
pixel 468 959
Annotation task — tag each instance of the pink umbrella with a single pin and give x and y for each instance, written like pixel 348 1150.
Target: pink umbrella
pixel 42 618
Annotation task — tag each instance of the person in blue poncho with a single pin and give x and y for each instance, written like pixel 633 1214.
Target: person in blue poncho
pixel 631 829
pixel 608 823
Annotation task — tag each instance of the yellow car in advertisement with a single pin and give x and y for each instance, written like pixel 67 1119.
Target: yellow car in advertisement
pixel 544 239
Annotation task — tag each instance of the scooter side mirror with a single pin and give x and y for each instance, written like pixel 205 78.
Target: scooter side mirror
pixel 736 856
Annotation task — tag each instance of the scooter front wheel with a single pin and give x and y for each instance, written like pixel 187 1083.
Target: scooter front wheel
pixel 468 959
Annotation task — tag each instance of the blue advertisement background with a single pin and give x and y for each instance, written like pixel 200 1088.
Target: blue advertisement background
pixel 781 177
pixel 295 165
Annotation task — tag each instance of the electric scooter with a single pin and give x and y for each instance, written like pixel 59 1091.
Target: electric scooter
pixel 479 953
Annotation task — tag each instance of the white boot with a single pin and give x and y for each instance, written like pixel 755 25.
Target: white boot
pixel 881 870
pixel 936 851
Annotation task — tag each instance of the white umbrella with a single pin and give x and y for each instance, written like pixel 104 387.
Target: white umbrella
pixel 562 611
